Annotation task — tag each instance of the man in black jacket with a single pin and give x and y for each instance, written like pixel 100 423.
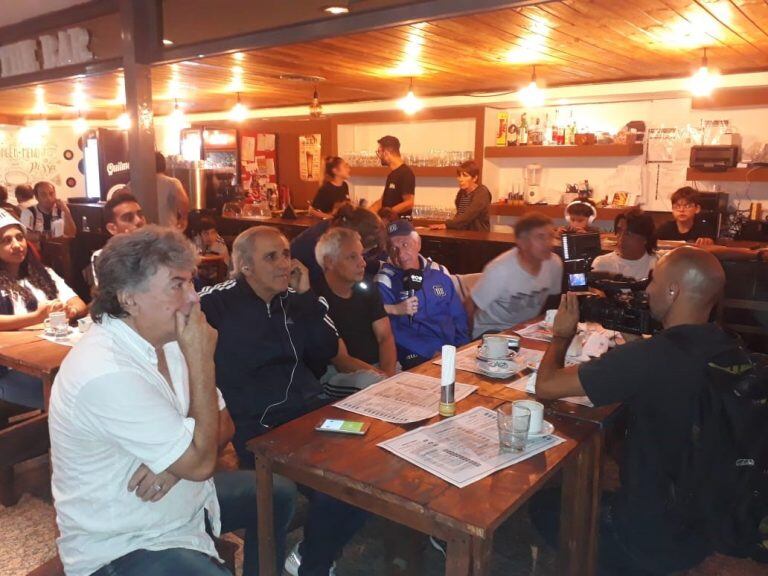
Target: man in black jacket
pixel 272 331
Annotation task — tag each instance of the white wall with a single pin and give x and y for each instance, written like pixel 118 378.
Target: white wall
pixel 415 138
pixel 28 156
pixel 652 182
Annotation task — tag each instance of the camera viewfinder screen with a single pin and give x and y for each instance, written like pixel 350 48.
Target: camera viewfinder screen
pixel 577 280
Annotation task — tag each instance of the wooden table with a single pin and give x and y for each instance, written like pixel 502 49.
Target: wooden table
pixel 355 470
pixel 25 351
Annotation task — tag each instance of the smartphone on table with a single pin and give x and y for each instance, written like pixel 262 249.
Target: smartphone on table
pixel 343 426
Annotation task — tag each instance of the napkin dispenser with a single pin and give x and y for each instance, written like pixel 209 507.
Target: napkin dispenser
pixel 714 158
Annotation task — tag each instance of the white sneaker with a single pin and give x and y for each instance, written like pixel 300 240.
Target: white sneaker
pixel 293 561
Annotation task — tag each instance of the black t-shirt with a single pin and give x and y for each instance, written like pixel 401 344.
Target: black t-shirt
pixel 329 194
pixel 354 317
pixel 669 231
pixel 400 182
pixel 658 380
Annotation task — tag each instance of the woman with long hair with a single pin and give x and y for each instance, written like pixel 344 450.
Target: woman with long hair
pixel 29 292
pixel 335 191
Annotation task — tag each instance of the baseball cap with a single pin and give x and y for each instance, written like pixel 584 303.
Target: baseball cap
pixel 7 219
pixel 399 228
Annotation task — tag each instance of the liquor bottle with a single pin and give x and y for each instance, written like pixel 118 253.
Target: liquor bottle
pixel 547 131
pixel 570 131
pixel 556 129
pixel 522 136
pixel 537 134
pixel 501 133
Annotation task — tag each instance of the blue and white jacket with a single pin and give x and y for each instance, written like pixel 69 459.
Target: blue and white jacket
pixel 441 318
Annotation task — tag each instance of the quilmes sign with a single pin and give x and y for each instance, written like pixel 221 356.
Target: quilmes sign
pixel 48 51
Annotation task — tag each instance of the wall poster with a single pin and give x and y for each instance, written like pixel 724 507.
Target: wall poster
pixel 310 158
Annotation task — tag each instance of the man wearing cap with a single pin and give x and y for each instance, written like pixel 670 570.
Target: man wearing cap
pixel 400 187
pixel 423 318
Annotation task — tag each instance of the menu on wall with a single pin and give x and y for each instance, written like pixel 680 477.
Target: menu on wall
pixel 27 157
pixel 310 156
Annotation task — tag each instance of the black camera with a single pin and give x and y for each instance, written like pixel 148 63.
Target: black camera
pixel 624 307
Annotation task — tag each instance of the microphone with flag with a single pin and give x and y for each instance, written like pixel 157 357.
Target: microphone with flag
pixel 412 281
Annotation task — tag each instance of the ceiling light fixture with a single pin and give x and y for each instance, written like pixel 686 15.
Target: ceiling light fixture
pixel 239 111
pixel 337 9
pixel 410 104
pixel 703 81
pixel 531 96
pixel 167 42
pixel 315 108
pixel 124 120
pixel 80 125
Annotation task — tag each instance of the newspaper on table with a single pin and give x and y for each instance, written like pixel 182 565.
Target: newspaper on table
pixel 527 383
pixel 537 331
pixel 463 449
pixel 525 358
pixel 402 399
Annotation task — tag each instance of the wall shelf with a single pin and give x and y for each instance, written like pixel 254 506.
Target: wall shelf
pixel 730 175
pixel 551 210
pixel 423 171
pixel 587 151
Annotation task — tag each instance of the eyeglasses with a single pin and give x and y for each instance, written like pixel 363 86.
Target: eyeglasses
pixel 681 206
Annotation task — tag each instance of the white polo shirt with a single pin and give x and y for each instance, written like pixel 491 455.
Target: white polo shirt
pixel 111 410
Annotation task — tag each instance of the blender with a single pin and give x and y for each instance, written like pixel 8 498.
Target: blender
pixel 533 191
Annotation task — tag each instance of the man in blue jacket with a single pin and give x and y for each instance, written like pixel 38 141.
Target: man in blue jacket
pixel 274 336
pixel 434 314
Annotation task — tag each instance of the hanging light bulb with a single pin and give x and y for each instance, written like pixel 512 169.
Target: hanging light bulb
pixel 703 81
pixel 410 104
pixel 239 111
pixel 531 96
pixel 315 108
pixel 81 124
pixel 124 121
pixel 177 117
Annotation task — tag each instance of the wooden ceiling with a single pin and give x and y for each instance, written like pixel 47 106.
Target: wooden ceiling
pixel 570 41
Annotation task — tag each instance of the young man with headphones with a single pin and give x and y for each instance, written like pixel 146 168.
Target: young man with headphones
pixel 274 336
pixel 580 214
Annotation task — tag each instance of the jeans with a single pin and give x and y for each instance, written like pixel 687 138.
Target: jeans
pixel 19 388
pixel 330 525
pixel 614 558
pixel 236 492
pixel 170 562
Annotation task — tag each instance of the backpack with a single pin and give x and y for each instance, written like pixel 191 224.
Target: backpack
pixel 721 490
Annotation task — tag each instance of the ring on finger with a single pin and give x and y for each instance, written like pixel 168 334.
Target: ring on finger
pixel 157 487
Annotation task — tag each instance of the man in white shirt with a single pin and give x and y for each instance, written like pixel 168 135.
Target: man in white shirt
pixel 516 285
pixel 135 422
pixel 50 216
pixel 172 199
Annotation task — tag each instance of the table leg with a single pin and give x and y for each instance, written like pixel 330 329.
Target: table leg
pixel 481 555
pixel 8 495
pixel 47 380
pixel 266 518
pixel 457 562
pixel 580 509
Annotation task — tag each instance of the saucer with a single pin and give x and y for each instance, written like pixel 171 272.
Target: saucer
pixel 481 356
pixel 52 334
pixel 499 369
pixel 547 428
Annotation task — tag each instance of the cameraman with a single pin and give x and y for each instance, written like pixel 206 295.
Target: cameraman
pixel 641 529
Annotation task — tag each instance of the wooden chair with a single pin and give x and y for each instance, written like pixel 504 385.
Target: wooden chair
pixel 23 435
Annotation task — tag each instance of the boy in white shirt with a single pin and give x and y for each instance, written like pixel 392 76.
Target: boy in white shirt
pixel 635 254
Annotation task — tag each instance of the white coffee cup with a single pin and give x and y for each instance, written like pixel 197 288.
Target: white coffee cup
pixel 549 317
pixel 56 323
pixel 495 346
pixel 537 414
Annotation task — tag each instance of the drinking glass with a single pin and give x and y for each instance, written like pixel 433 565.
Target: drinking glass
pixel 513 422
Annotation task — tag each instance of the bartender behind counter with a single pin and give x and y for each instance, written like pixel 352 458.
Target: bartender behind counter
pixel 472 201
pixel 335 191
pixel 400 187
pixel 686 224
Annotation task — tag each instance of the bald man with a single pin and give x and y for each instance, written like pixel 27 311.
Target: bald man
pixel 658 380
